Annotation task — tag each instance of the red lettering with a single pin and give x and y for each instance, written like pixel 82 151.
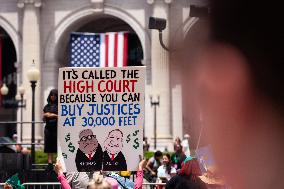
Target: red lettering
pixel 133 84
pixel 126 85
pixel 91 86
pixel 79 88
pixel 117 88
pixel 117 85
pixel 66 86
pixel 99 86
pixel 109 85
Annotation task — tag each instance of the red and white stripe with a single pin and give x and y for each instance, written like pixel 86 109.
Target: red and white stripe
pixel 113 49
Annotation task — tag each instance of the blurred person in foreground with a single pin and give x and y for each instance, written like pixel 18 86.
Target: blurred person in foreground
pixel 239 80
pixel 13 183
pixel 188 177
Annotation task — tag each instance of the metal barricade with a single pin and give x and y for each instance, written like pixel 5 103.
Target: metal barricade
pixel 148 185
pixel 38 185
pixel 56 185
pixel 42 185
pixel 1 185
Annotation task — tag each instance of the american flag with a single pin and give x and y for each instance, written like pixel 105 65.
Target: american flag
pixel 99 50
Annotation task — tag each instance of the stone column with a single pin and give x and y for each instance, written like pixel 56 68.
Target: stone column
pixel 49 70
pixel 161 76
pixel 31 51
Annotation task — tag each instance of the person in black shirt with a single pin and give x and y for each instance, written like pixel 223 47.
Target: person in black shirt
pixel 50 112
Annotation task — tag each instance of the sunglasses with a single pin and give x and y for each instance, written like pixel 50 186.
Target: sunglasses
pixel 89 137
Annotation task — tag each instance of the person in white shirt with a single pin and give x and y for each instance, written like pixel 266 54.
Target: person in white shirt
pixel 166 170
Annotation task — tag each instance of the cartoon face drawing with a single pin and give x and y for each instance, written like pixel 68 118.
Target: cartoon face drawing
pixel 114 142
pixel 88 142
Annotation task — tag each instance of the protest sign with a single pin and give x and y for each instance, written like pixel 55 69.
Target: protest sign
pixel 101 118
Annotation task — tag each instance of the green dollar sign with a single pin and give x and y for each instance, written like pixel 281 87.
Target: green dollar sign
pixel 67 138
pixel 71 147
pixel 136 145
pixel 64 155
pixel 128 138
pixel 135 133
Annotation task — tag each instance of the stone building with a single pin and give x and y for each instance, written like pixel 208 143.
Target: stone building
pixel 39 30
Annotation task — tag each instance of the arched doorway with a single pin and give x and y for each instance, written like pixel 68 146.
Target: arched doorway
pixel 101 24
pixel 56 53
pixel 8 75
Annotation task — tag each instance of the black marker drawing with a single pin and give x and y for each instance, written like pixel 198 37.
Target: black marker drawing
pixel 113 158
pixel 89 154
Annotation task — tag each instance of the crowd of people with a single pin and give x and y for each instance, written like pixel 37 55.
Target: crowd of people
pixel 238 80
pixel 161 168
pixel 186 177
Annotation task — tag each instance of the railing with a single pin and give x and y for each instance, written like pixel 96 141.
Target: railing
pixel 18 122
pixel 39 185
pixel 57 185
pixel 20 137
pixel 42 185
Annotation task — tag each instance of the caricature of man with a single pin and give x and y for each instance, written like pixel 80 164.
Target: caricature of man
pixel 89 154
pixel 114 160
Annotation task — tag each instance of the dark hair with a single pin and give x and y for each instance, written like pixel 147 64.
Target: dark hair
pixel 169 164
pixel 191 168
pixel 168 156
pixel 178 140
pixel 55 93
pixel 158 154
pixel 254 28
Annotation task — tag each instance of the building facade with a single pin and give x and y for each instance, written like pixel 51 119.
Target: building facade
pixel 40 29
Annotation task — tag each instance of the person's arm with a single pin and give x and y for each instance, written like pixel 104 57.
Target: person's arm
pixel 149 165
pixel 49 115
pixel 45 114
pixel 139 175
pixel 173 171
pixel 53 115
pixel 60 176
pixel 63 181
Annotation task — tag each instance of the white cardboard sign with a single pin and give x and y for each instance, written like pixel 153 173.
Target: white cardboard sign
pixel 100 118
